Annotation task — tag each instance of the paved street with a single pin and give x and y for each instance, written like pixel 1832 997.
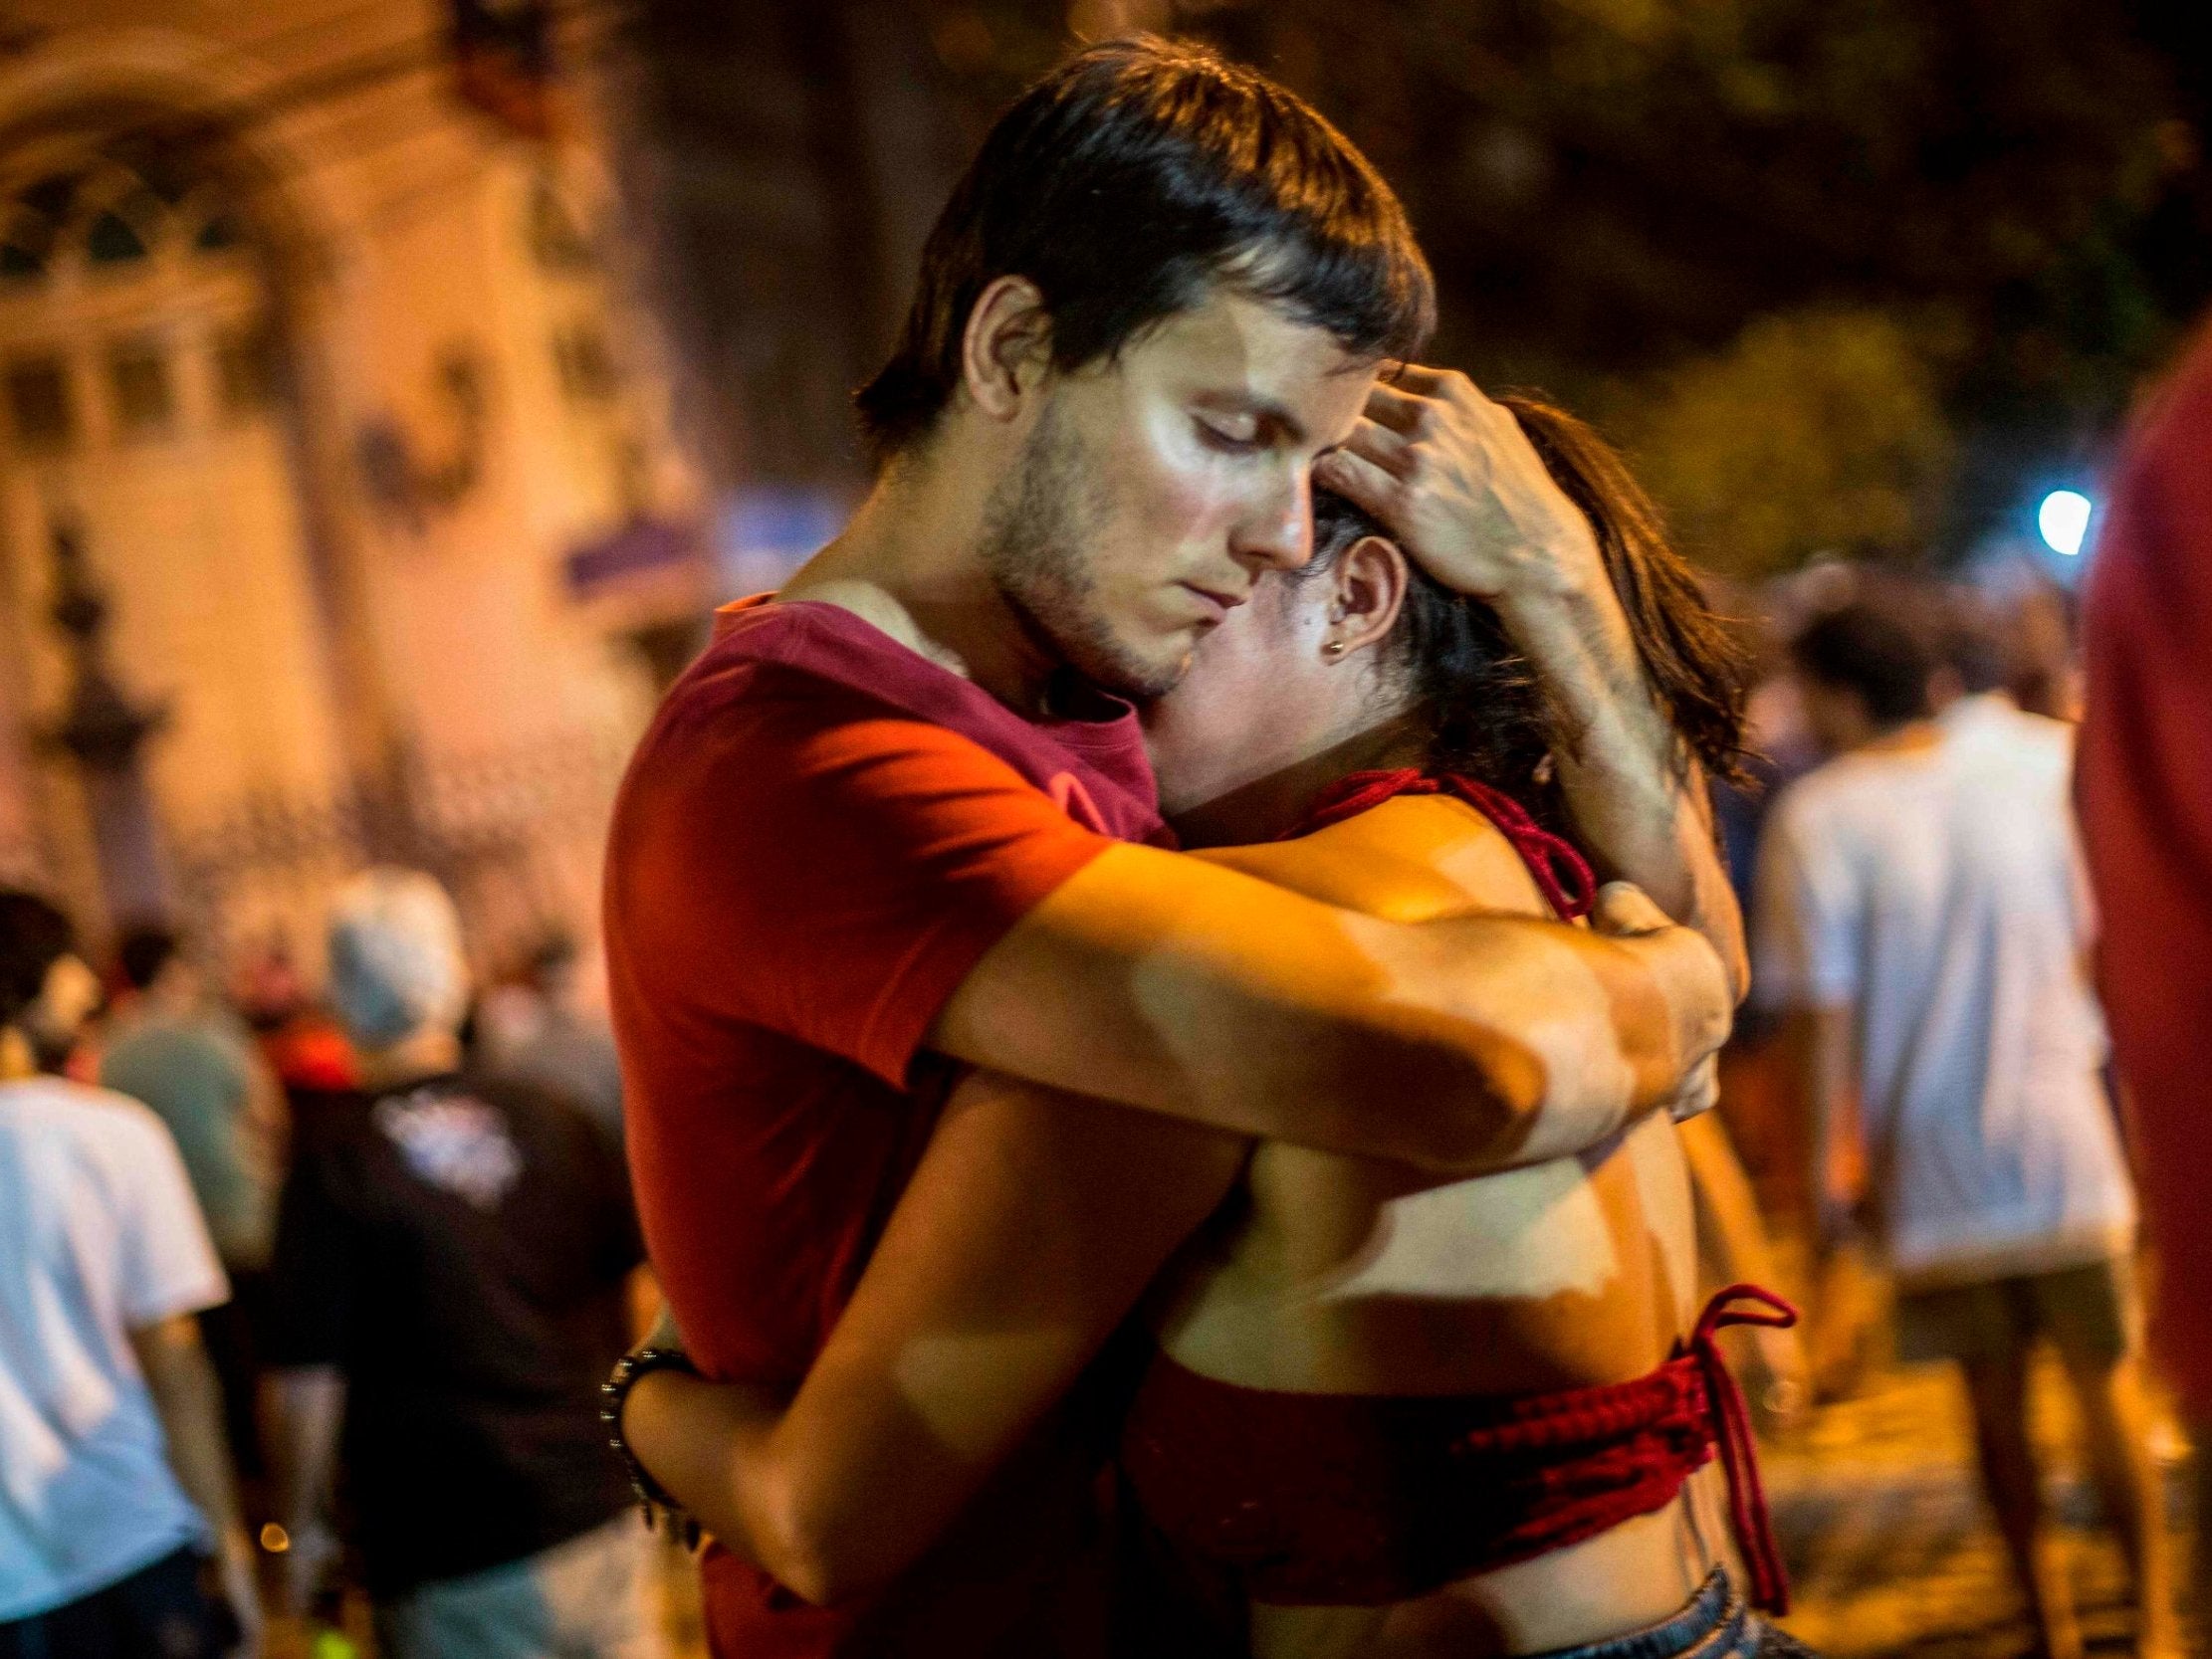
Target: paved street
pixel 1890 1550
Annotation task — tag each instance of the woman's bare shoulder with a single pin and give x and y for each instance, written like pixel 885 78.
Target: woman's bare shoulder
pixel 1414 858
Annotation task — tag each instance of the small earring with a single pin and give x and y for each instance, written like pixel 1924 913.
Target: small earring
pixel 1335 648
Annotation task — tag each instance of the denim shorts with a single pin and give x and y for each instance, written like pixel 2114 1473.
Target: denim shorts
pixel 1716 1624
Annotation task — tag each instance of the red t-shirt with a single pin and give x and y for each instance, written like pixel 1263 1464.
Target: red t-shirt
pixel 2143 784
pixel 818 838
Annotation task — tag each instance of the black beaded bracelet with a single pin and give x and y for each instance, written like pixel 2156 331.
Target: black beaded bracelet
pixel 614 1392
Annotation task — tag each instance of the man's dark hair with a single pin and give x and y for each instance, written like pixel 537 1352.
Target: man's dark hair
pixel 145 951
pixel 1123 184
pixel 34 935
pixel 1864 649
pixel 1976 653
pixel 1487 714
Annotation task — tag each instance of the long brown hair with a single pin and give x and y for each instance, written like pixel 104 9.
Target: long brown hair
pixel 1489 716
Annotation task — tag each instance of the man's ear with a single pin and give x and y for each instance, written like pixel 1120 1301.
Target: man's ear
pixel 1370 588
pixel 1007 346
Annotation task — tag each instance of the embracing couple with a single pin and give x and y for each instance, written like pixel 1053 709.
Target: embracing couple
pixel 1279 1246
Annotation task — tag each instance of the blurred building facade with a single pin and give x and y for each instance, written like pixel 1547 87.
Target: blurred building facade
pixel 339 512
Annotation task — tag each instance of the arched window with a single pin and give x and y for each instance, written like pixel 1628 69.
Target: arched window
pixel 126 232
pixel 144 398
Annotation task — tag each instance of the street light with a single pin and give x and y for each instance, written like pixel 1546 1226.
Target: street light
pixel 2064 520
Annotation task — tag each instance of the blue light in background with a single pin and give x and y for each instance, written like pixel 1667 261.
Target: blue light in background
pixel 2064 520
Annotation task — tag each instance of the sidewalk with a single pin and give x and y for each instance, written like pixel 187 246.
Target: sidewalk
pixel 1889 1549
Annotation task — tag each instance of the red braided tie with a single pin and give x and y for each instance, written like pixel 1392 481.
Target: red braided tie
pixel 1561 873
pixel 1747 1499
pixel 1337 1500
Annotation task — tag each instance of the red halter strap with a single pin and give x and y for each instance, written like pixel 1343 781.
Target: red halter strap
pixel 1739 1458
pixel 1561 873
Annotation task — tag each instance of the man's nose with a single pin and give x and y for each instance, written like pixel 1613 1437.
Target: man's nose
pixel 1279 534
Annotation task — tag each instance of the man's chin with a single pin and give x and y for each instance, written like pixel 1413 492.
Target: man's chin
pixel 1140 675
pixel 1142 682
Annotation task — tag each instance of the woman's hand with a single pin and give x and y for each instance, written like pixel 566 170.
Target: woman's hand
pixel 1454 478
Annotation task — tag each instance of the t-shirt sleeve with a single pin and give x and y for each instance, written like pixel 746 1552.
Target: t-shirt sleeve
pixel 816 865
pixel 1811 921
pixel 311 1268
pixel 169 1266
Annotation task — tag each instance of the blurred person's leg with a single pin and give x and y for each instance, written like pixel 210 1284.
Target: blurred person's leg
pixel 1997 1389
pixel 2089 1314
pixel 1988 1329
pixel 2116 1420
pixel 588 1598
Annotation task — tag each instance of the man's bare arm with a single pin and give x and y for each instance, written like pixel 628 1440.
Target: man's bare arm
pixel 305 1408
pixel 189 1401
pixel 1027 1233
pixel 1165 983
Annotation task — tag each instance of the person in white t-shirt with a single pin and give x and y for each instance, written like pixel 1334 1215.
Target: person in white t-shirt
pixel 115 1477
pixel 1923 924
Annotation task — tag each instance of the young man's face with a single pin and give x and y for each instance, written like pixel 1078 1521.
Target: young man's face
pixel 1158 487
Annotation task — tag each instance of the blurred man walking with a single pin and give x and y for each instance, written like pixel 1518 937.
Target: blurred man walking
pixel 194 1063
pixel 448 1285
pixel 115 1478
pixel 1921 920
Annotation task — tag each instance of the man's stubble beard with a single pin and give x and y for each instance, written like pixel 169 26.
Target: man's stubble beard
pixel 1039 537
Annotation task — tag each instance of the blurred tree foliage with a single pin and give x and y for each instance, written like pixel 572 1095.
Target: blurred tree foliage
pixel 1874 260
pixel 1814 432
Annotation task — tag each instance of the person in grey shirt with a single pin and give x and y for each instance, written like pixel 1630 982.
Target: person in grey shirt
pixel 193 1061
pixel 182 1053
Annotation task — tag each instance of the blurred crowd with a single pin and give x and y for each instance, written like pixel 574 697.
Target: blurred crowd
pixel 288 1276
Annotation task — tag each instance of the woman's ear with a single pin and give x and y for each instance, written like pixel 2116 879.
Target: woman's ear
pixel 1006 346
pixel 1370 587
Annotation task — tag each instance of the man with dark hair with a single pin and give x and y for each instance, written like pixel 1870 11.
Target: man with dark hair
pixel 1923 927
pixel 899 821
pixel 1862 674
pixel 115 1476
pixel 1125 187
